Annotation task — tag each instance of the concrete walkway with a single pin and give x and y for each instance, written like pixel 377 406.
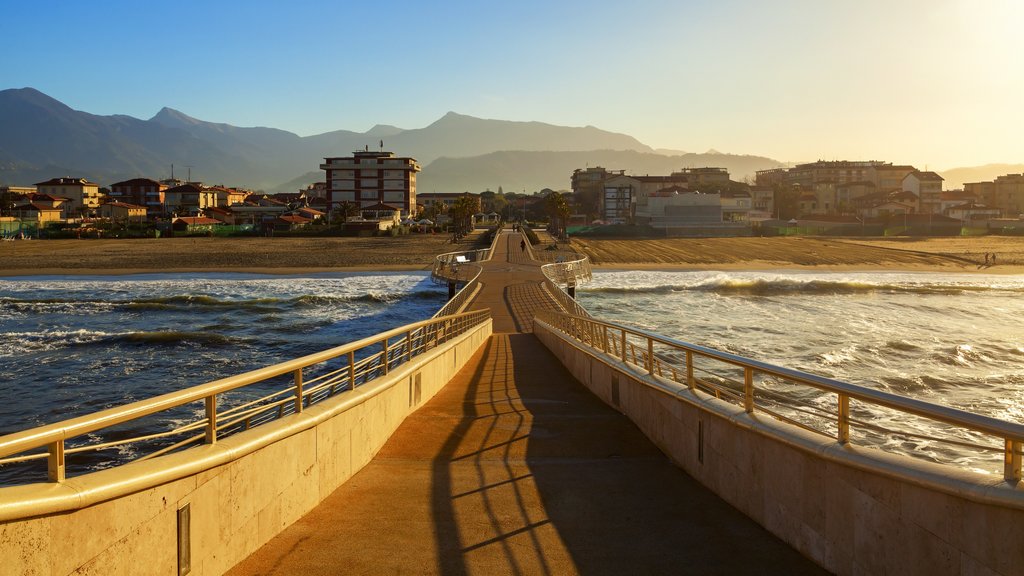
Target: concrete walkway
pixel 515 468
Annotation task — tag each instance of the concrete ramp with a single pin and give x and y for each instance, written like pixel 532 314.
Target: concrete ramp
pixel 515 468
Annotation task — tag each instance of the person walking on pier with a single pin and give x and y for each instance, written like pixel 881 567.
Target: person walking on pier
pixel 522 245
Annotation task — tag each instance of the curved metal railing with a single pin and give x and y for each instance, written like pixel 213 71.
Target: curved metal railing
pixel 311 379
pixel 565 268
pixel 783 392
pixel 460 267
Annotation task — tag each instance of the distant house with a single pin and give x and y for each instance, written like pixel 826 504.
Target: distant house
pixel 309 213
pixel 188 199
pixel 83 196
pixel 228 196
pixel 194 224
pixel 289 222
pixel 927 186
pixel 46 200
pixel 971 212
pixel 140 192
pixel 123 212
pixel 37 212
pixel 381 212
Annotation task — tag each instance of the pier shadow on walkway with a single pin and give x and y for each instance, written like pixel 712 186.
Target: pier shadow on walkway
pixel 515 468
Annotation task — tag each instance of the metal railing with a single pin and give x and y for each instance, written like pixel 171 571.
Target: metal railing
pixel 790 395
pixel 310 379
pixel 448 268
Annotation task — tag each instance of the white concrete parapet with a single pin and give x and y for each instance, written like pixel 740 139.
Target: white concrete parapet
pixel 852 509
pixel 238 492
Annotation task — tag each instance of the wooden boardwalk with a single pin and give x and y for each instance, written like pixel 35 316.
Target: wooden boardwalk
pixel 515 468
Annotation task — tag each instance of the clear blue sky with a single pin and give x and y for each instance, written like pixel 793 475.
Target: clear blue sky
pixel 937 83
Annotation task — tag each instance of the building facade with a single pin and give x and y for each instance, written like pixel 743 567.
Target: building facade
pixel 83 197
pixel 368 178
pixel 140 192
pixel 927 186
pixel 1008 194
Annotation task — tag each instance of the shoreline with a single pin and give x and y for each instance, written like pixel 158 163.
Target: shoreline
pixel 753 266
pixel 266 270
pixel 1009 270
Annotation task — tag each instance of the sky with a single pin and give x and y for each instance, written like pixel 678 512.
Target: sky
pixel 934 83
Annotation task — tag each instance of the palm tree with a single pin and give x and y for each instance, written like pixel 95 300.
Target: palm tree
pixel 462 212
pixel 558 210
pixel 347 209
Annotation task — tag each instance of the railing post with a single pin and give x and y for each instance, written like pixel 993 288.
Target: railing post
pixel 623 345
pixel 690 380
pixel 211 419
pixel 650 356
pixel 604 338
pixel 385 356
pixel 55 471
pixel 844 419
pixel 1012 458
pixel 408 345
pixel 352 370
pixel 298 391
pixel 748 390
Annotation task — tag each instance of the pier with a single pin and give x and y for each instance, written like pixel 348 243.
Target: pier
pixel 515 468
pixel 514 433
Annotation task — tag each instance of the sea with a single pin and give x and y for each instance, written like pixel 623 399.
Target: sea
pixel 71 345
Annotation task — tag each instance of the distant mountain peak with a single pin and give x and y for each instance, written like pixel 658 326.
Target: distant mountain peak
pixel 383 131
pixel 34 97
pixel 172 117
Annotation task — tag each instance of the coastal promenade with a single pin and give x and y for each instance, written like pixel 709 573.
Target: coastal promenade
pixel 515 468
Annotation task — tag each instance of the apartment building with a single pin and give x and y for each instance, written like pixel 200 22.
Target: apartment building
pixel 927 186
pixel 699 178
pixel 190 198
pixel 368 178
pixel 984 192
pixel 888 177
pixel 139 192
pixel 83 197
pixel 835 171
pixel 1008 194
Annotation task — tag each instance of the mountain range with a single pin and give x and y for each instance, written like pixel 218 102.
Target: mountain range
pixel 42 138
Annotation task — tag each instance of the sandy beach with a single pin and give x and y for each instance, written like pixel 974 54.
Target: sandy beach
pixel 416 252
pixel 907 254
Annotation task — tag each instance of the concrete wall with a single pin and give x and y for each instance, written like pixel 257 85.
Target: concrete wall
pixel 273 475
pixel 853 510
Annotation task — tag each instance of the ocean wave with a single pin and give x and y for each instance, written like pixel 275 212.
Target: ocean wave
pixel 797 286
pixel 31 342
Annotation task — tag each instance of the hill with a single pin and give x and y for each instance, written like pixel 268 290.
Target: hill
pixel 955 177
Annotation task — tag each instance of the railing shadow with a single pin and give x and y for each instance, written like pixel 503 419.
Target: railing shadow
pixel 540 477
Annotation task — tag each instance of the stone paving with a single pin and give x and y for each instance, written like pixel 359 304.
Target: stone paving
pixel 515 468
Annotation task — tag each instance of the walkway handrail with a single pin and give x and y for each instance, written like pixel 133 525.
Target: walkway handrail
pixel 380 355
pixel 565 267
pixel 447 269
pixel 622 342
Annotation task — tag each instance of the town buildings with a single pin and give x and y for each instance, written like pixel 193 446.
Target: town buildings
pixel 367 178
pixel 687 197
